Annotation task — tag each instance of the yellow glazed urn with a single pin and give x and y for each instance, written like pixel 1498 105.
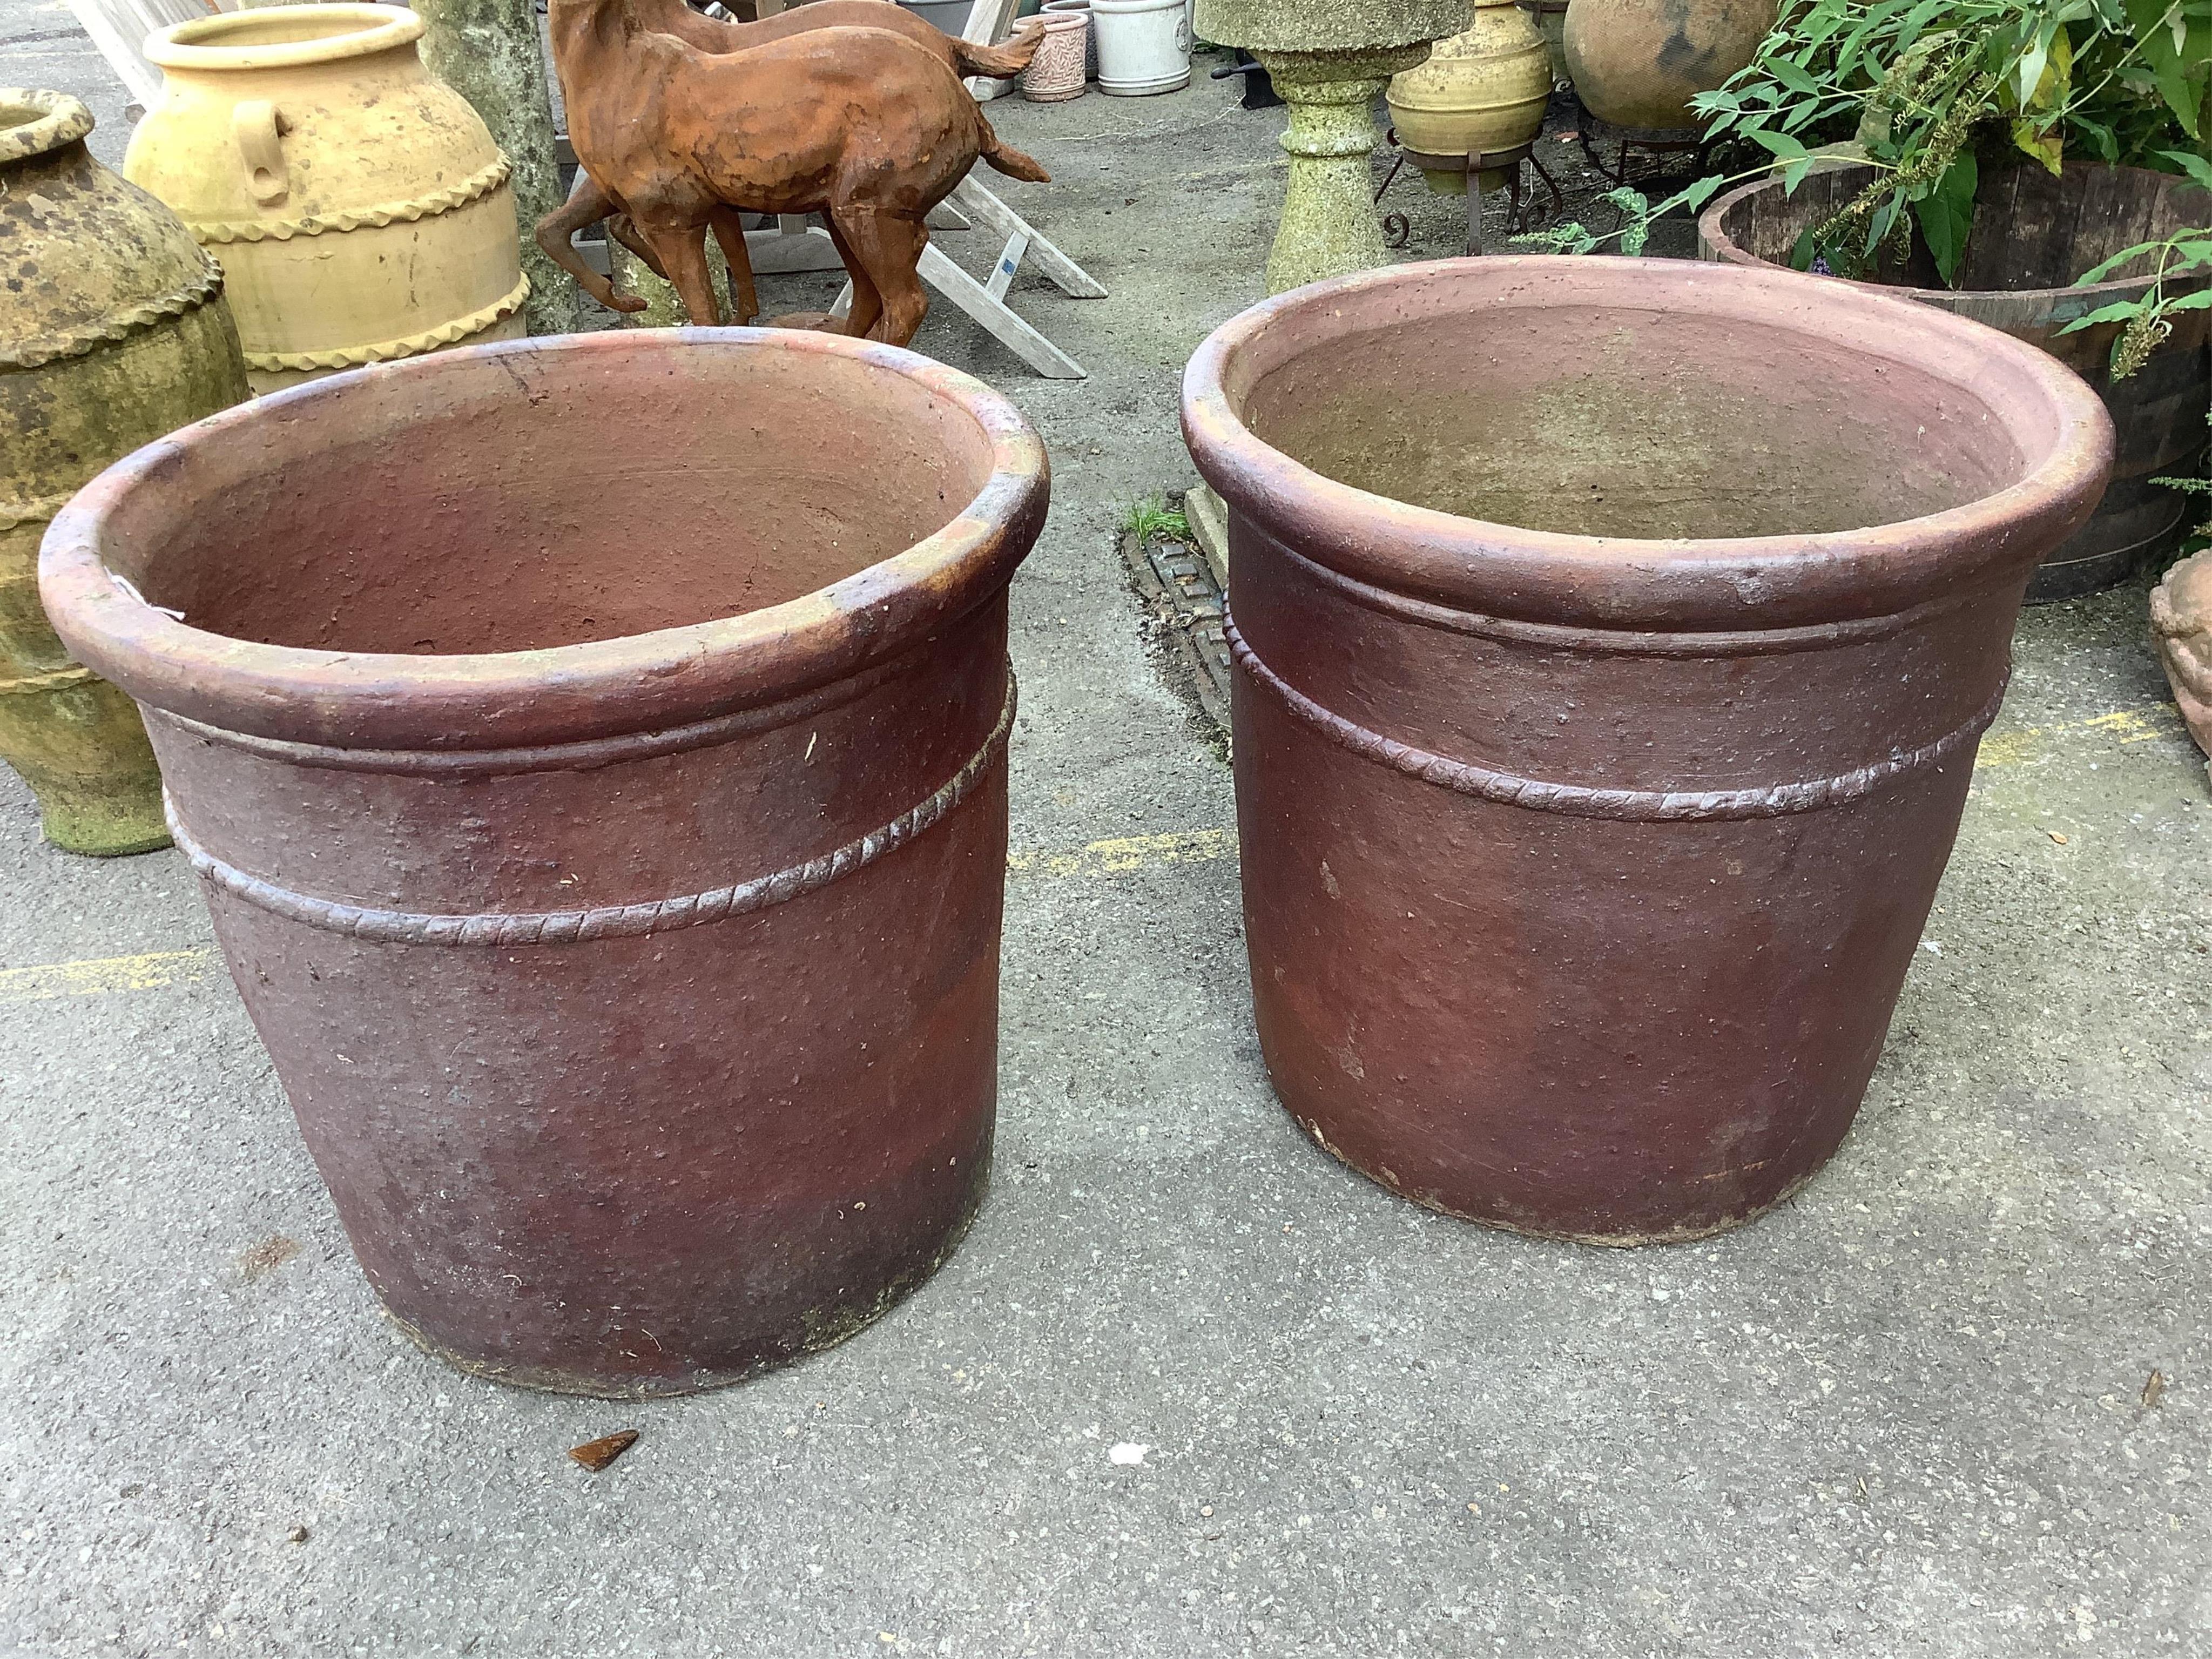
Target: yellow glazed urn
pixel 112 333
pixel 1480 92
pixel 359 207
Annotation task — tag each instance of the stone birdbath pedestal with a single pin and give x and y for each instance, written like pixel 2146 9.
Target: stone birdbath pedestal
pixel 1329 59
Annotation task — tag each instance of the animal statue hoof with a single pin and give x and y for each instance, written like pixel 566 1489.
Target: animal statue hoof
pixel 629 304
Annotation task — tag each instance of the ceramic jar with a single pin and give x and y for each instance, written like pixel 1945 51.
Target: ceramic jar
pixel 1481 91
pixel 1636 64
pixel 615 880
pixel 113 334
pixel 2181 623
pixel 1056 74
pixel 359 209
pixel 1612 638
pixel 1143 46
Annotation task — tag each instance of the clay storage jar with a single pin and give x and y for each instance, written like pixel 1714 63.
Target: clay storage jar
pixel 112 332
pixel 359 209
pixel 1636 64
pixel 2032 234
pixel 1055 74
pixel 1612 638
pixel 614 879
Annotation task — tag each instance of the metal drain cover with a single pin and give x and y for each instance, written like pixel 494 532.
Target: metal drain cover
pixel 1176 581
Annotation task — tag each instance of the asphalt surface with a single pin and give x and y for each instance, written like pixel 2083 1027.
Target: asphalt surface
pixel 1911 1413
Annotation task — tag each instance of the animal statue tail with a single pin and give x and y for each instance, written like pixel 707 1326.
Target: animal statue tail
pixel 1005 158
pixel 1001 63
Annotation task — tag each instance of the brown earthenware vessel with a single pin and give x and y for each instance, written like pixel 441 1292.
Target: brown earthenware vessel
pixel 1613 637
pixel 614 876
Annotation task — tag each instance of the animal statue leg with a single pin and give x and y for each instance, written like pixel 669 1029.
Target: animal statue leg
pixel 890 247
pixel 730 232
pixel 620 227
pixel 683 251
pixel 867 302
pixel 556 233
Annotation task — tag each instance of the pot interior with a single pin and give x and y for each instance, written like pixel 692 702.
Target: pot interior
pixel 2031 229
pixel 1619 421
pixel 491 500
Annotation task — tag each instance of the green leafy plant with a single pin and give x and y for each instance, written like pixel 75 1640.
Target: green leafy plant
pixel 1926 92
pixel 1153 519
pixel 2178 263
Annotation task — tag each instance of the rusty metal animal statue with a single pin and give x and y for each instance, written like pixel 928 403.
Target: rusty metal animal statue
pixel 681 140
pixel 588 202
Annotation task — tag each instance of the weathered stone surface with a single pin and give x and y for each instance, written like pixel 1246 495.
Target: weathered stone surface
pixel 1328 25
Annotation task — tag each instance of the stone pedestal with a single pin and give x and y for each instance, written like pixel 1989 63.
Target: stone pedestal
pixel 1329 59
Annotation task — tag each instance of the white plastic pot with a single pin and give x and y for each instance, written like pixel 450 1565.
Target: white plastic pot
pixel 1144 46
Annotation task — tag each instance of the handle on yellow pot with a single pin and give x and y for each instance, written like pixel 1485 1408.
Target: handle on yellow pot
pixel 259 128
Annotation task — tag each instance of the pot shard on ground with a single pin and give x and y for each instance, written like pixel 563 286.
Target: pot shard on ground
pixel 359 209
pixel 1608 680
pixel 615 879
pixel 2032 235
pixel 112 332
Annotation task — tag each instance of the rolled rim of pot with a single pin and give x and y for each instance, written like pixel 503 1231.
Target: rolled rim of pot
pixel 1712 229
pixel 964 460
pixel 282 37
pixel 1772 325
pixel 35 122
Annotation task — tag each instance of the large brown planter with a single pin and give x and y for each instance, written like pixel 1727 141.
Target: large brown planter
pixel 2032 235
pixel 1612 638
pixel 598 782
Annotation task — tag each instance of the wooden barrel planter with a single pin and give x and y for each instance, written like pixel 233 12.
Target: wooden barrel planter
pixel 2032 234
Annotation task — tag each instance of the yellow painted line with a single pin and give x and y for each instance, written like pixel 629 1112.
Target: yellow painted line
pixel 154 971
pixel 1123 854
pixel 2022 744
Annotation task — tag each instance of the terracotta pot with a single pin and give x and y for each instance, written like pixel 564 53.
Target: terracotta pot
pixel 1483 91
pixel 1612 640
pixel 620 909
pixel 2181 623
pixel 114 331
pixel 359 208
pixel 1056 73
pixel 2032 234
pixel 1637 63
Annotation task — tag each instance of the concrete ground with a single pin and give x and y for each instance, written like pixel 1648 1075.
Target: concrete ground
pixel 1906 1415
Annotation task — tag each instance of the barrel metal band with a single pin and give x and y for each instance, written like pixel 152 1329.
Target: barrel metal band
pixel 1578 800
pixel 480 183
pixel 605 922
pixel 407 345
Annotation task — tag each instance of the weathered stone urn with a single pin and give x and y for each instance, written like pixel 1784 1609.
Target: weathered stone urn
pixel 112 332
pixel 1329 58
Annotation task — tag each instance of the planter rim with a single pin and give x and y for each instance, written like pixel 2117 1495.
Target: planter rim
pixel 1729 584
pixel 199 44
pixel 53 121
pixel 553 696
pixel 1727 250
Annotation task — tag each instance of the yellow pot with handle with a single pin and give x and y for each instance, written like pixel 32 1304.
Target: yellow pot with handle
pixel 359 207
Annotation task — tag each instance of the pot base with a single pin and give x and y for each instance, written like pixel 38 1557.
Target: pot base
pixel 845 1324
pixel 1688 1235
pixel 1145 88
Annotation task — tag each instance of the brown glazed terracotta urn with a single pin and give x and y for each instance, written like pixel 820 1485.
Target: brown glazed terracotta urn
pixel 1613 638
pixel 615 878
pixel 1637 63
